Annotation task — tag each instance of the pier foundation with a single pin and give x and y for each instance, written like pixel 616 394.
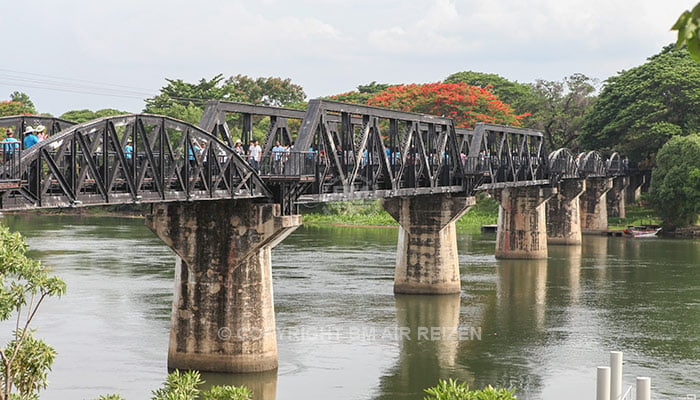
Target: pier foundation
pixel 522 224
pixel 564 213
pixel 594 210
pixel 223 316
pixel 426 256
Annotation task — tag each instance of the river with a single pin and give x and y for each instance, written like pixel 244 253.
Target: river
pixel 541 327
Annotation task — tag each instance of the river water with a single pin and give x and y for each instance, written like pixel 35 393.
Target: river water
pixel 541 327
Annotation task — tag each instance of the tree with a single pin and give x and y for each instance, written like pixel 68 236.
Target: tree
pixel 24 285
pixel 23 98
pixel 362 94
pixel 185 101
pixel 558 109
pixel 80 116
pixel 638 110
pixel 518 95
pixel 9 107
pixel 688 27
pixel 466 104
pixel 675 182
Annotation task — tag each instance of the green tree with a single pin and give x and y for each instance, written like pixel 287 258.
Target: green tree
pixel 80 116
pixel 688 27
pixel 638 110
pixel 23 98
pixel 9 107
pixel 675 182
pixel 24 285
pixel 362 94
pixel 185 101
pixel 558 109
pixel 518 95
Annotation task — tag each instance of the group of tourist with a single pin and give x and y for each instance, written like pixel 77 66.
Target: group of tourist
pixel 32 136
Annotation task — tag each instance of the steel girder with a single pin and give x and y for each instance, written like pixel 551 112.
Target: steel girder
pixel 506 154
pixel 369 152
pixel 89 164
pixel 21 122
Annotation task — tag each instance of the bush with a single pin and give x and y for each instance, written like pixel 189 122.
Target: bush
pixel 452 390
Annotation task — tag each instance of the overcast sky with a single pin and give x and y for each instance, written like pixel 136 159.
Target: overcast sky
pixel 79 54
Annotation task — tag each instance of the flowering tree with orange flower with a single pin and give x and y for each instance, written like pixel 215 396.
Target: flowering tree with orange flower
pixel 464 103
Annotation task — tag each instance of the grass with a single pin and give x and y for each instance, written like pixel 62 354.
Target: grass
pixel 371 213
pixel 635 215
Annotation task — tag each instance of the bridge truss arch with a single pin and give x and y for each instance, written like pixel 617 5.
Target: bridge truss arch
pixel 127 159
pixel 563 165
pixel 591 165
pixel 20 122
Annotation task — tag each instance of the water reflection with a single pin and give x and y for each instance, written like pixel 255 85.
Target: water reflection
pixel 263 385
pixel 429 334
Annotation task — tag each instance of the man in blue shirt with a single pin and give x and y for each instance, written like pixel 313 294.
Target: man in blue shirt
pixel 30 139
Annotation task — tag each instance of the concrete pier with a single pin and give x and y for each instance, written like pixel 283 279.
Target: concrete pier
pixel 634 188
pixel 426 256
pixel 522 224
pixel 564 213
pixel 594 210
pixel 616 196
pixel 223 316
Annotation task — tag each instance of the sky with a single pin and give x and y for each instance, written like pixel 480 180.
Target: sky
pixel 79 54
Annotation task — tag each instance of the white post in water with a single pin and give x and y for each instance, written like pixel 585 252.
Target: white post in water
pixel 643 388
pixel 615 375
pixel 603 384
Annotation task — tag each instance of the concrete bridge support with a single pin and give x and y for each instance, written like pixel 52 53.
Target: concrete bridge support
pixel 564 213
pixel 426 257
pixel 522 224
pixel 616 196
pixel 594 210
pixel 223 316
pixel 634 188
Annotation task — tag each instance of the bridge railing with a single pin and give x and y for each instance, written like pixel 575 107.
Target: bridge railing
pixel 288 165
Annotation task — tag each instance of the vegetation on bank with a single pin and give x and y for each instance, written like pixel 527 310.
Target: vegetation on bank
pixel 371 213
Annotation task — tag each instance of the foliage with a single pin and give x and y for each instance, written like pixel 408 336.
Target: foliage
pixel 634 216
pixel 185 386
pixel 80 116
pixel 9 107
pixel 675 182
pixel 688 27
pixel 452 390
pixel 227 393
pixel 23 98
pixel 466 104
pixel 558 109
pixel 24 284
pixel 638 110
pixel 110 397
pixel 518 95
pixel 185 101
pixel 362 94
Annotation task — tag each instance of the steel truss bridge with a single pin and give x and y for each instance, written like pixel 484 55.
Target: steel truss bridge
pixel 337 151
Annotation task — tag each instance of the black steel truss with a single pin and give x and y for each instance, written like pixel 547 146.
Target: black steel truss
pixel 129 159
pixel 366 152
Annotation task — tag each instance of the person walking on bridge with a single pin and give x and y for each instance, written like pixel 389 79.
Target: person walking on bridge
pixel 30 139
pixel 254 154
pixel 9 145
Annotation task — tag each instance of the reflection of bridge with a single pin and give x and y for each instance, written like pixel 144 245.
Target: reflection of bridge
pixel 222 216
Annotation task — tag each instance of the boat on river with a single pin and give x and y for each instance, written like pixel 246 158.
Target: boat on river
pixel 641 231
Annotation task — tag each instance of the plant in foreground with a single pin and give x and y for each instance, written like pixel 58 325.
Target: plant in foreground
pixel 453 390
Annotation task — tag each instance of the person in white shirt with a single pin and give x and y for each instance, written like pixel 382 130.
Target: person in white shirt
pixel 254 154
